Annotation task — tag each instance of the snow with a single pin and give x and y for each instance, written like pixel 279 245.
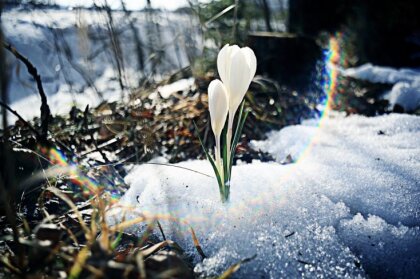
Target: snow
pixel 61 102
pixel 72 51
pixel 382 74
pixel 348 207
pixel 406 83
pixel 131 5
pixel 167 90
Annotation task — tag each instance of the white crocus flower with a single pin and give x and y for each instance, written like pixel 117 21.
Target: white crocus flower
pixel 218 107
pixel 237 67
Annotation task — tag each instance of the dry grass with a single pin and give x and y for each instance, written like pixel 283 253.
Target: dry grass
pixel 61 215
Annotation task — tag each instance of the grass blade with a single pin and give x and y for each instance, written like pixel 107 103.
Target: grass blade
pixel 241 111
pixel 241 122
pixel 219 180
pixel 219 15
pixel 79 262
pixel 117 240
pixel 233 268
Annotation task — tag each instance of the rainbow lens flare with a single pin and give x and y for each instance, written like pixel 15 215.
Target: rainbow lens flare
pixel 63 165
pixel 334 60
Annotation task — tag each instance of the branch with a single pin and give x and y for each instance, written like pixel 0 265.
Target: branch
pixel 26 123
pixel 45 109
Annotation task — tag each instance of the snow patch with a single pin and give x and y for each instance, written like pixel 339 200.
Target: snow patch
pixel 406 89
pixel 303 219
pixel 380 244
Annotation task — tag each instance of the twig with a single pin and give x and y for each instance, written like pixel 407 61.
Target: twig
pixel 304 262
pixel 136 37
pixel 169 165
pixel 45 109
pixel 161 230
pixel 290 234
pixel 65 50
pixel 99 149
pixel 26 123
pixel 116 49
pixel 233 268
pixel 197 244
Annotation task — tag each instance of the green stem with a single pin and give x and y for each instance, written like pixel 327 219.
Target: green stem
pixel 229 139
pixel 219 162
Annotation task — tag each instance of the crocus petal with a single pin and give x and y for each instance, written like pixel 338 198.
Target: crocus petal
pixel 237 67
pixel 223 61
pixel 218 105
pixel 239 79
pixel 221 65
pixel 252 61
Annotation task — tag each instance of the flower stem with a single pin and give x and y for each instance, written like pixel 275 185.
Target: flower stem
pixel 229 137
pixel 219 162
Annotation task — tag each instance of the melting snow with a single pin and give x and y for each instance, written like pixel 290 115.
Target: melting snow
pixel 406 89
pixel 348 208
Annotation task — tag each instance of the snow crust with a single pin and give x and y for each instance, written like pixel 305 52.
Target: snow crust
pixel 406 83
pixel 347 208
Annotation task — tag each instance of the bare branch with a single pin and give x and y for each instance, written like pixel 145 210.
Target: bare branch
pixel 26 123
pixel 45 109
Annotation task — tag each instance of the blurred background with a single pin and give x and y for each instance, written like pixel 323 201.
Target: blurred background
pixel 141 68
pixel 99 47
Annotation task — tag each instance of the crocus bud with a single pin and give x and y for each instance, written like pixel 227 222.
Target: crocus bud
pixel 236 68
pixel 218 106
